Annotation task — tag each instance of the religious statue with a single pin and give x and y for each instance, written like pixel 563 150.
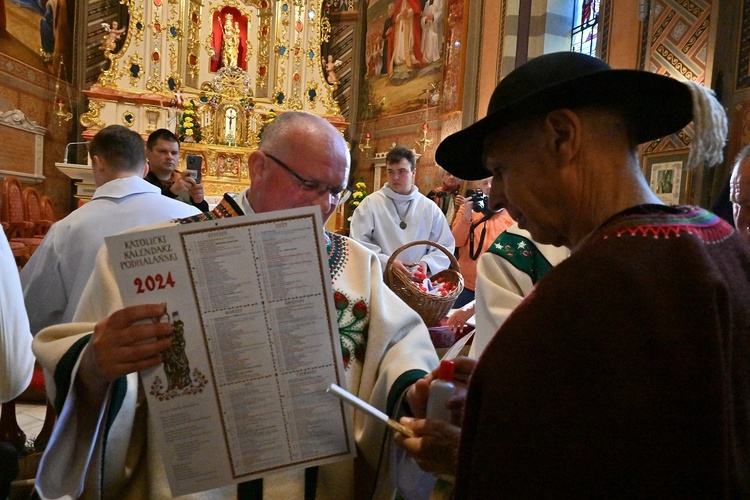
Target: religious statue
pixel 230 41
pixel 331 66
pixel 230 126
pixel 113 34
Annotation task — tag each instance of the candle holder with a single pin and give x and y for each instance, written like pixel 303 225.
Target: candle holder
pixel 365 147
pixel 59 110
pixel 423 141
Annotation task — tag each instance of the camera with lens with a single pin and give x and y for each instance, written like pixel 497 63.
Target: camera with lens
pixel 479 199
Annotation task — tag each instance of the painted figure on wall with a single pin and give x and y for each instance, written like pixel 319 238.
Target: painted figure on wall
pixel 230 41
pixel 407 36
pixel 432 30
pixel 398 72
pixel 54 37
pixel 388 39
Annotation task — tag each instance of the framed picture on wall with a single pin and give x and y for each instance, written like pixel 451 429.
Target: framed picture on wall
pixel 666 175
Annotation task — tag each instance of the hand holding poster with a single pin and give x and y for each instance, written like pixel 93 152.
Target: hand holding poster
pixel 241 390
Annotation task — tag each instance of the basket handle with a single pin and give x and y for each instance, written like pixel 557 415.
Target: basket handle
pixel 454 263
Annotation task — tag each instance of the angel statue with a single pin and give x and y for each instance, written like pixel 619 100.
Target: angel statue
pixel 331 66
pixel 113 34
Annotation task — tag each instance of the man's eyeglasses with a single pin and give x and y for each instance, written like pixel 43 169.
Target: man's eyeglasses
pixel 337 194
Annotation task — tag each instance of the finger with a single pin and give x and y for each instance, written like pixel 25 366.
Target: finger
pixel 141 334
pixel 136 353
pixel 464 367
pixel 112 361
pixel 114 371
pixel 417 395
pixel 129 315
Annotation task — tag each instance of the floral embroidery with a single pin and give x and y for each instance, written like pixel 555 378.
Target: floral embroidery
pixel 337 254
pixel 352 315
pixel 353 320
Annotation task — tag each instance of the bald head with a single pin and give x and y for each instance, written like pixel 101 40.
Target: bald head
pixel 301 160
pixel 739 191
pixel 296 127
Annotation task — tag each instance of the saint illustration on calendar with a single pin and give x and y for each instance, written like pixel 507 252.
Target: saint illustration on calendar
pixel 176 364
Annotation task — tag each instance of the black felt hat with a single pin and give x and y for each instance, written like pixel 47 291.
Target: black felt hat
pixel 655 105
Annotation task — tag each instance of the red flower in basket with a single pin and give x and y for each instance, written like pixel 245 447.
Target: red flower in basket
pixel 359 310
pixel 419 274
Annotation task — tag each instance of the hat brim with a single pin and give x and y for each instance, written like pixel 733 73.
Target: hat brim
pixel 655 106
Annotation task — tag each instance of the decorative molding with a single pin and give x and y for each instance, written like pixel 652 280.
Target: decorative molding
pixel 605 29
pixel 500 49
pixel 16 119
pixel 22 177
pixel 743 55
pixel 644 48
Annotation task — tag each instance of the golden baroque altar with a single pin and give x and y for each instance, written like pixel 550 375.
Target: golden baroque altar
pixel 236 61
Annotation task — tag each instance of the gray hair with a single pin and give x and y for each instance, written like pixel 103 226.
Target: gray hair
pixel 741 156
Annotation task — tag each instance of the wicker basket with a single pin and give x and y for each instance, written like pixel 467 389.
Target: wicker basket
pixel 432 308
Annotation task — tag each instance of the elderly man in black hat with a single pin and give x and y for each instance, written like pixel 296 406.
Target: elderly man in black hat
pixel 626 372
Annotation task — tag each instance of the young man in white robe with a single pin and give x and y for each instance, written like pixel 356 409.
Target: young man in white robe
pixel 54 278
pixel 398 214
pixel 103 445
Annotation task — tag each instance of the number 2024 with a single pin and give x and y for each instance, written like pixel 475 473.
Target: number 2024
pixel 151 283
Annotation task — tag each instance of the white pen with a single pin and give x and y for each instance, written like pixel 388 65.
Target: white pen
pixel 369 409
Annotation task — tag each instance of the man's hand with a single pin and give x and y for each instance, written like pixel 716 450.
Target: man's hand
pixel 416 270
pixel 196 192
pixel 127 341
pixel 435 449
pixel 458 201
pixel 468 208
pixel 419 392
pixel 183 182
pixel 180 183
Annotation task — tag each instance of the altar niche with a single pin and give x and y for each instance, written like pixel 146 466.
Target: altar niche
pixel 227 109
pixel 229 30
pixel 231 131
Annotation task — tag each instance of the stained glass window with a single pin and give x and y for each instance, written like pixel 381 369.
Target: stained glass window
pixel 585 27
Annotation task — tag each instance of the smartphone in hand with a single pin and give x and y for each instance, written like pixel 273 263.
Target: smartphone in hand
pixel 194 163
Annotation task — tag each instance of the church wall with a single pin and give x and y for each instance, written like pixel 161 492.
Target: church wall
pixel 498 49
pixel 32 91
pixel 400 108
pixel 30 68
pixel 624 34
pixel 550 27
